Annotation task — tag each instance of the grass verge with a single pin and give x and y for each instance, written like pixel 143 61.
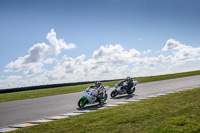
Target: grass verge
pixel 70 89
pixel 177 112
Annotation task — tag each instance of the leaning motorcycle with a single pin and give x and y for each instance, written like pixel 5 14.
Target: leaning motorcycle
pixel 121 88
pixel 91 96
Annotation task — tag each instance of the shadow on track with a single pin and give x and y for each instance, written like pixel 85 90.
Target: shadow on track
pixel 124 96
pixel 91 107
pixel 98 106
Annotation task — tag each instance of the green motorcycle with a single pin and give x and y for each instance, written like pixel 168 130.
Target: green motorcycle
pixel 91 96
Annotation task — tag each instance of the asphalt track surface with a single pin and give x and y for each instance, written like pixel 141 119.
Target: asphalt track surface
pixel 16 112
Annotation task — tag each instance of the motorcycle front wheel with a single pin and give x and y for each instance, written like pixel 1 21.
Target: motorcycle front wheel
pixel 81 103
pixel 113 94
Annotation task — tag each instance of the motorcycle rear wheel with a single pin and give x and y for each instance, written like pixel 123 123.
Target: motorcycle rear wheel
pixel 131 91
pixel 105 98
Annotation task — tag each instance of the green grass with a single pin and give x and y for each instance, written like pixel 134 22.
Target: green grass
pixel 168 76
pixel 41 93
pixel 70 89
pixel 177 112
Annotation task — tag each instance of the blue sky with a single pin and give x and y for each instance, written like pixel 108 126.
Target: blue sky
pixel 56 41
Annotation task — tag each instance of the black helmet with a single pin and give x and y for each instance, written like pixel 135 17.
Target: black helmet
pixel 127 78
pixel 97 83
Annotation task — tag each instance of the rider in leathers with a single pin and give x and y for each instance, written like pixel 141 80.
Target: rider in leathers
pixel 129 81
pixel 100 88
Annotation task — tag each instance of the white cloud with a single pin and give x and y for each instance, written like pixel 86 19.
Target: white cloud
pixel 185 52
pixel 181 52
pixel 135 69
pixel 115 54
pixel 152 61
pixel 171 44
pixel 67 66
pixel 10 81
pixel 146 52
pixel 33 69
pixel 15 66
pixel 49 60
pixel 107 62
pixel 71 69
pixel 11 78
pixel 28 69
pixel 189 69
pixel 56 45
pixel 36 55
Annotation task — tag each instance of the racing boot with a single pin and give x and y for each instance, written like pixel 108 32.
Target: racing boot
pixel 101 98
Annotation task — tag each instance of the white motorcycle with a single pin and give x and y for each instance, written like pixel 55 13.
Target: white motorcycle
pixel 90 96
pixel 121 88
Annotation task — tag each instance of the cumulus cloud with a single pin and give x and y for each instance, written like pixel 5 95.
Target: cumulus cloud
pixel 33 69
pixel 101 66
pixel 185 52
pixel 107 62
pixel 56 45
pixel 115 54
pixel 49 60
pixel 135 69
pixel 37 53
pixel 152 62
pixel 146 52
pixel 181 52
pixel 171 44
pixel 67 66
pixel 15 66
pixel 28 68
pixel 9 81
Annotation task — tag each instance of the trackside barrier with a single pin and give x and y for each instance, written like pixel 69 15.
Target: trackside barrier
pixel 48 86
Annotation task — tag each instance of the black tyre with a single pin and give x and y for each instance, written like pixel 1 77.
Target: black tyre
pixel 103 100
pixel 113 94
pixel 81 103
pixel 131 91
